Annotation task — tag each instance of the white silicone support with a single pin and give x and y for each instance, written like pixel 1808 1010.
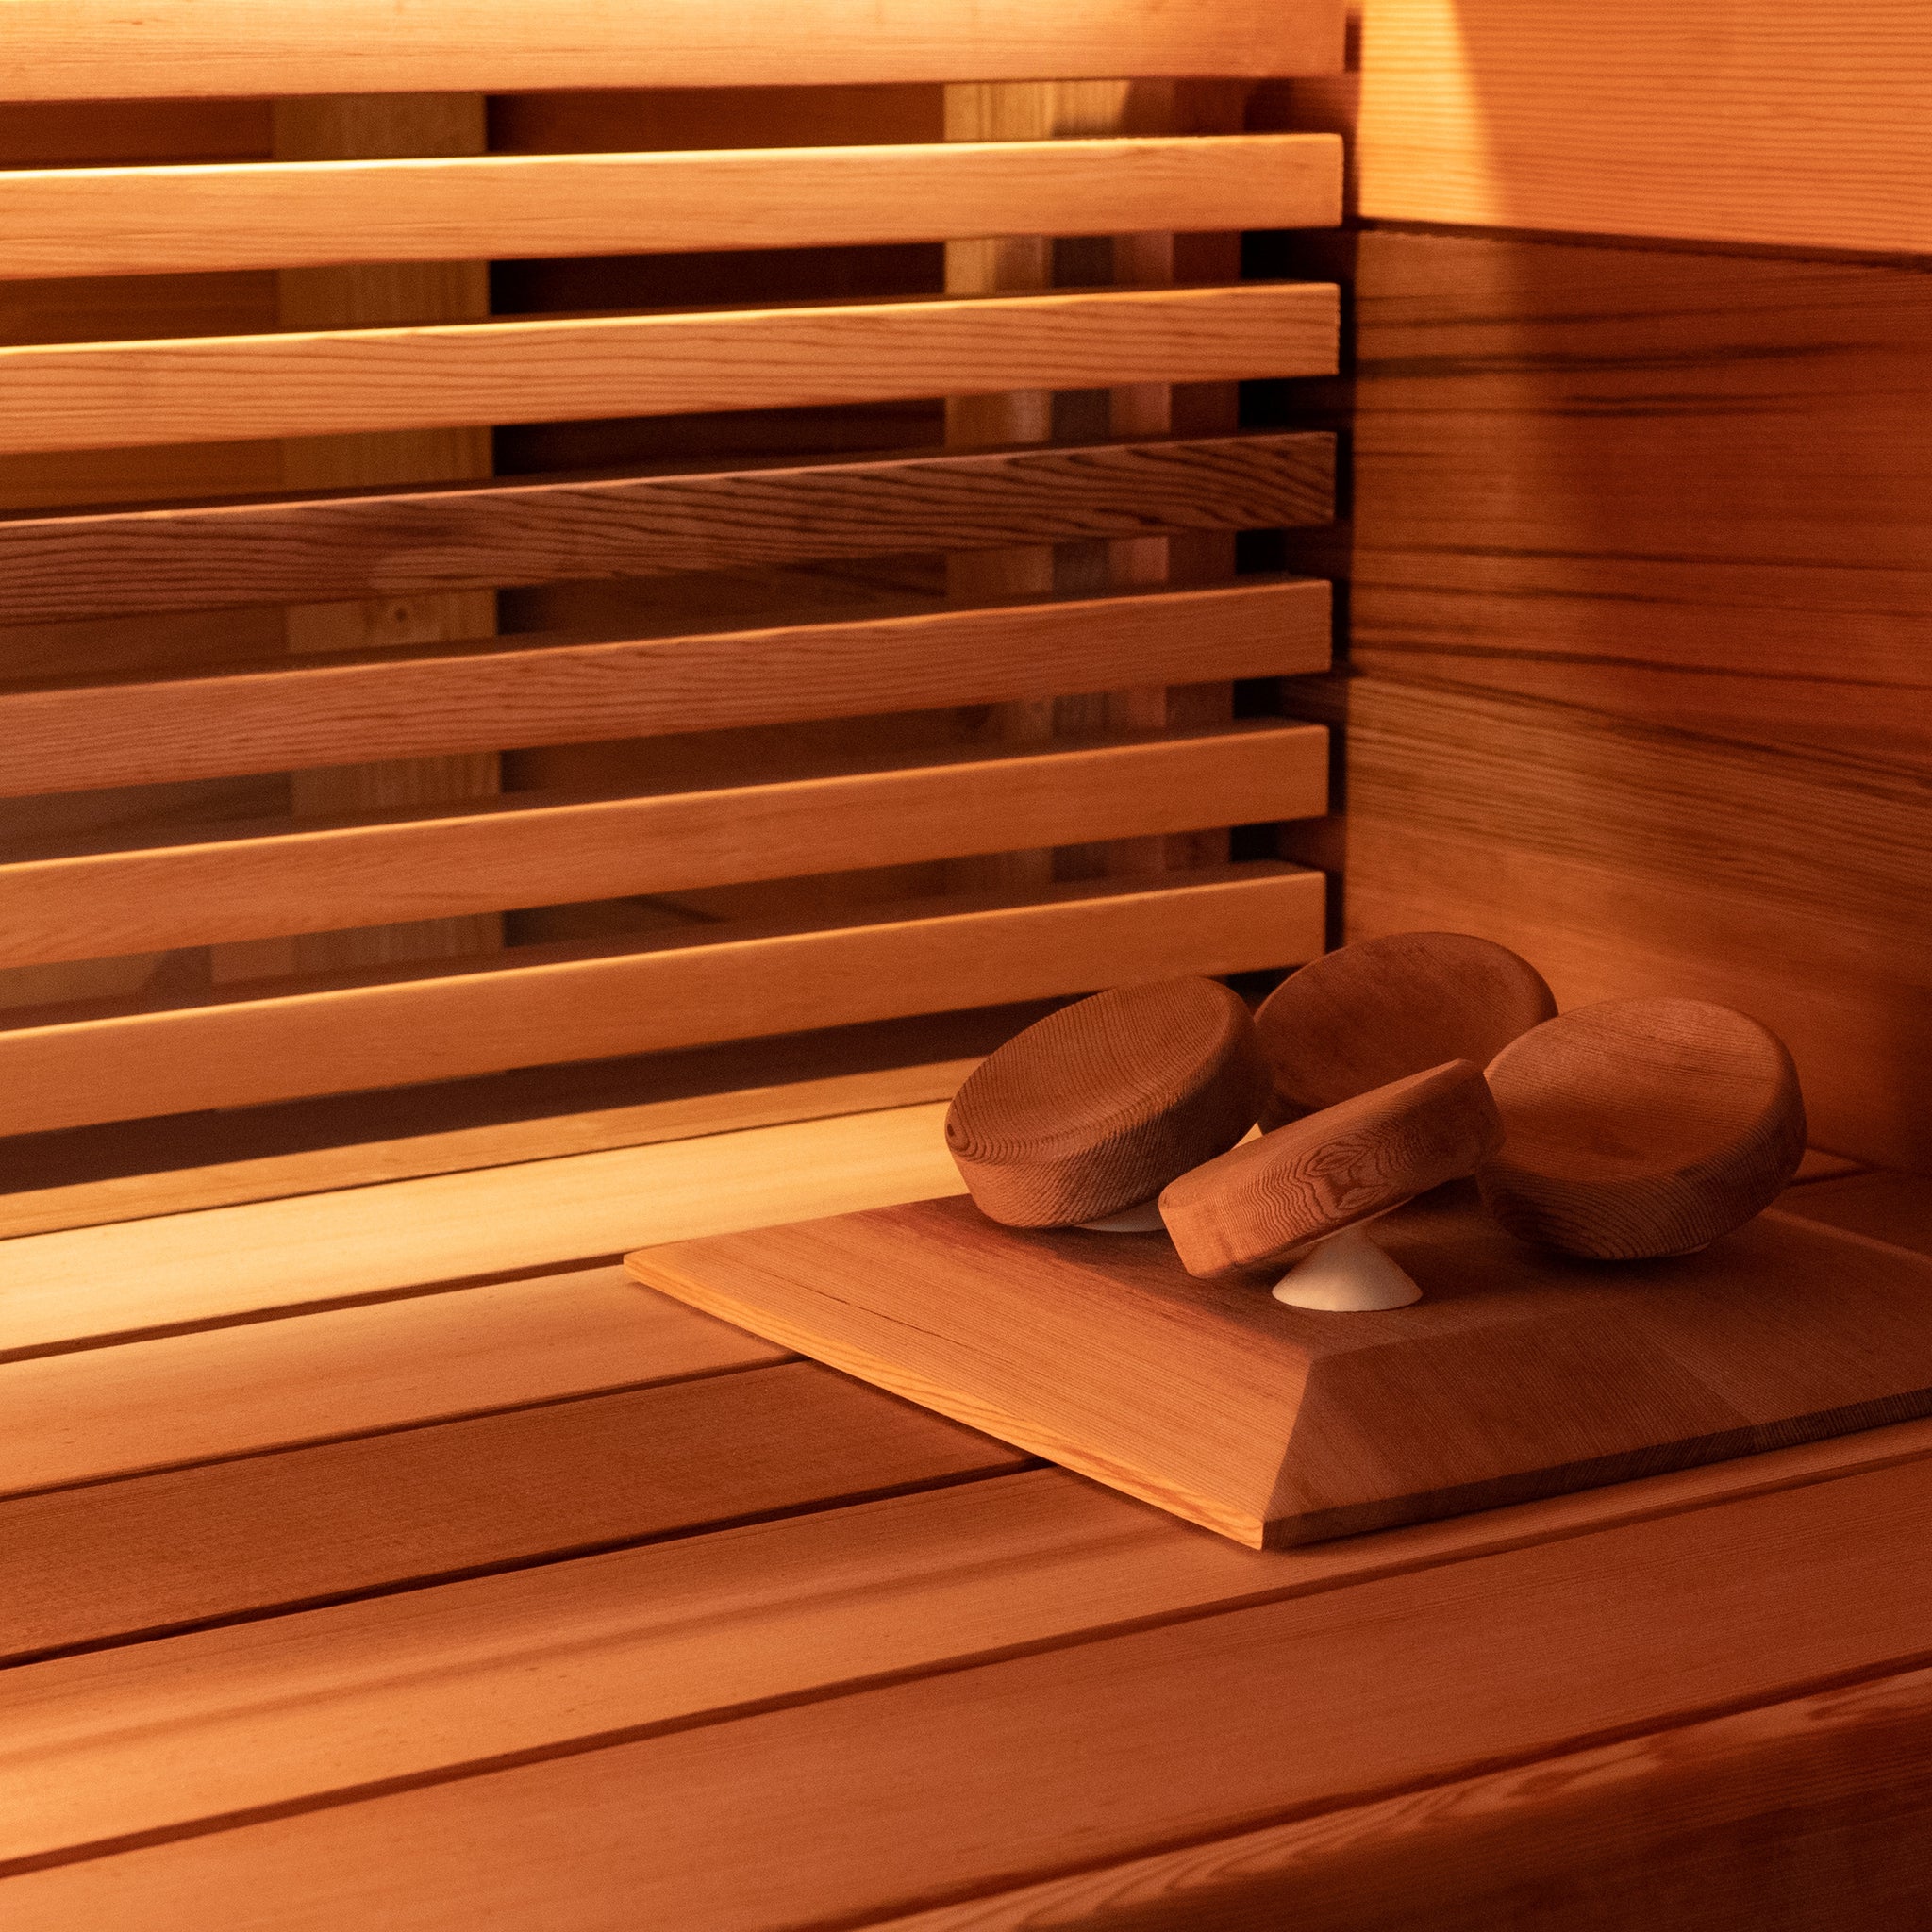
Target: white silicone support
pixel 1346 1273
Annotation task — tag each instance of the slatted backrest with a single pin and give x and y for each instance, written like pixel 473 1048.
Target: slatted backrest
pixel 1028 621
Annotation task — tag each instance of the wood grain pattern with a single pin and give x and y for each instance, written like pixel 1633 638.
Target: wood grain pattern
pixel 1607 852
pixel 147 220
pixel 564 691
pixel 1385 1010
pixel 1093 1110
pixel 1661 738
pixel 327 382
pixel 1641 1128
pixel 1516 1375
pixel 974 1782
pixel 1799 129
pixel 1691 1825
pixel 89 1414
pixel 275 1039
pixel 1663 485
pixel 58 50
pixel 1331 1170
pixel 358 128
pixel 403 542
pixel 214 1265
pixel 140 1739
pixel 113 1560
pixel 318 875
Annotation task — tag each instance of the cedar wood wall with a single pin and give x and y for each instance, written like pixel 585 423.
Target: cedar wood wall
pixel 1640 614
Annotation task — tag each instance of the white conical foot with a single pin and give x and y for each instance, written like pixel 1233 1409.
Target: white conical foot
pixel 1347 1273
pixel 1145 1219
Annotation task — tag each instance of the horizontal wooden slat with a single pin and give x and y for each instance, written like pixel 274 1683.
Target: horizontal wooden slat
pixel 279 1039
pixel 404 704
pixel 1893 1208
pixel 175 1164
pixel 971 1782
pixel 88 1565
pixel 148 1739
pixel 1799 125
pixel 89 1414
pixel 224 1264
pixel 261 882
pixel 112 395
pixel 402 544
pixel 1806 1813
pixel 97 49
pixel 143 221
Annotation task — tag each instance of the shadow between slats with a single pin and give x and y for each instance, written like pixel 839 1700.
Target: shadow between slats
pixel 406 542
pixel 249 881
pixel 528 1005
pixel 266 1533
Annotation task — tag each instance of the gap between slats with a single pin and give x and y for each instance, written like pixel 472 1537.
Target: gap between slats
pixel 411 703
pixel 1031 1561
pixel 277 1039
pixel 57 568
pixel 113 395
pixel 1158 1737
pixel 248 881
pixel 145 220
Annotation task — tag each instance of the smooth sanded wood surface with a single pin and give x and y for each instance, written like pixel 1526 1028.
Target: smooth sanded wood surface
pixel 550 690
pixel 1516 1375
pixel 87 1414
pixel 59 50
pixel 1090 1112
pixel 979 1781
pixel 143 221
pixel 144 1737
pixel 1641 1128
pixel 226 1540
pixel 404 541
pixel 264 880
pixel 275 1039
pixel 216 1264
pixel 1796 125
pixel 1661 738
pixel 1385 1010
pixel 110 396
pixel 1331 1170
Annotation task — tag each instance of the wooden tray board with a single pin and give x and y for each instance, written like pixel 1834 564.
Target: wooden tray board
pixel 1519 1374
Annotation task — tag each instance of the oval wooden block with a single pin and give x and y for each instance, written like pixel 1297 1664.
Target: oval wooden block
pixel 1332 1169
pixel 1098 1106
pixel 1381 1009
pixel 1641 1128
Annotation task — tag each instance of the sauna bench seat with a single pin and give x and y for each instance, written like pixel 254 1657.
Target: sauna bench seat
pixel 386 1558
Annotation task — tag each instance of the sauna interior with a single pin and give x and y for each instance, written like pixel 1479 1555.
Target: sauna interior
pixel 596 604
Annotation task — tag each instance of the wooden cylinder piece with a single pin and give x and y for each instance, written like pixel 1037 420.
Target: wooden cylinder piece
pixel 1381 1009
pixel 1332 1169
pixel 1641 1128
pixel 1096 1108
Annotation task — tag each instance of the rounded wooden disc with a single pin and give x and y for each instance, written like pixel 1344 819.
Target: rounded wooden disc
pixel 1331 1169
pixel 1098 1106
pixel 1381 1009
pixel 1641 1128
